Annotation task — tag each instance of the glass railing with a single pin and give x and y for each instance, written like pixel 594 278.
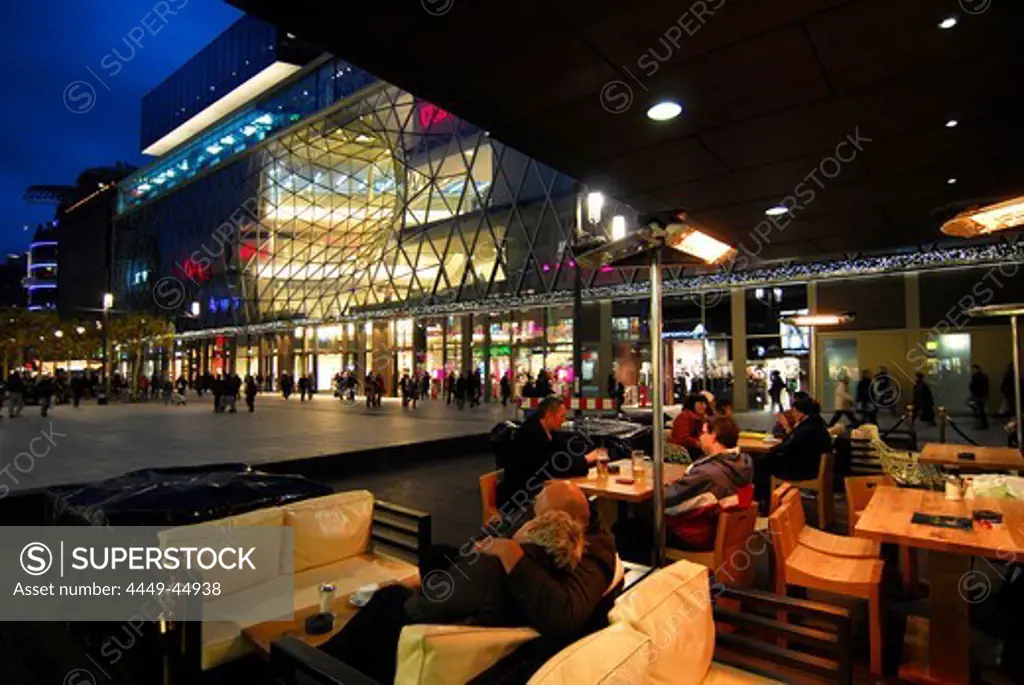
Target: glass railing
pixel 308 94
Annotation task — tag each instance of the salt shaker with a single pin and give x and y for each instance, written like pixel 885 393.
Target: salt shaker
pixel 326 598
pixel 954 493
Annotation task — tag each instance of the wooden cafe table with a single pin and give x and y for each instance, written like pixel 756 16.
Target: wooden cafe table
pixel 262 635
pixel 887 518
pixel 985 458
pixel 639 491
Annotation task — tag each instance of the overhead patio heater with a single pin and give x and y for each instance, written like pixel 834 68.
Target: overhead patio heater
pixel 659 241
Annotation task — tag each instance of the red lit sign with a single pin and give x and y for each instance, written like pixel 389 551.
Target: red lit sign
pixel 431 115
pixel 196 272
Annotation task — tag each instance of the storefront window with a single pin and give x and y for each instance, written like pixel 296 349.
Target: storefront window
pixel 433 361
pixel 454 362
pixel 560 325
pixel 839 361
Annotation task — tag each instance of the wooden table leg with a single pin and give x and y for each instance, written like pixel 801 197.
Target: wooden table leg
pixel 949 629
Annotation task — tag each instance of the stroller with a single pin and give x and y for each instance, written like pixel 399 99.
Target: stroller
pixel 178 400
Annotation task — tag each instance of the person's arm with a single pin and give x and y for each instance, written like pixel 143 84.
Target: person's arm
pixel 551 606
pixel 684 489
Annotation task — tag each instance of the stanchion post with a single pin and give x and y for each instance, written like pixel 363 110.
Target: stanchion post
pixel 1014 329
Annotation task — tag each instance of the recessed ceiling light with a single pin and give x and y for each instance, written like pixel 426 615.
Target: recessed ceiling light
pixel 952 123
pixel 948 23
pixel 951 181
pixel 665 110
pixel 777 210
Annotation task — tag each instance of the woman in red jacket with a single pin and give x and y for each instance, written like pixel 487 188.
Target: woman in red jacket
pixel 689 424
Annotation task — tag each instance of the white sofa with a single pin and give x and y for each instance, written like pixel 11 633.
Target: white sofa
pixel 662 631
pixel 331 542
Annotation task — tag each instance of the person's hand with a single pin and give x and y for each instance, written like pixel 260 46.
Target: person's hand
pixel 507 551
pixel 596 455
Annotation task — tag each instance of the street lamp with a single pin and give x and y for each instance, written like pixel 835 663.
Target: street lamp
pixel 108 303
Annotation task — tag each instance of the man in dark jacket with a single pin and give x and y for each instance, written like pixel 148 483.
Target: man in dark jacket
pixel 44 391
pixel 924 402
pixel 865 402
pixel 978 389
pixel 693 502
pixel 559 604
pixel 798 456
pixel 539 455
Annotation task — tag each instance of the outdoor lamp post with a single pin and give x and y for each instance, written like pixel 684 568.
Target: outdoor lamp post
pixel 108 303
pixel 663 241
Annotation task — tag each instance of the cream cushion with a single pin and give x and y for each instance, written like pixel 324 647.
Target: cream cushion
pixel 266 557
pixel 617 655
pixel 434 654
pixel 672 608
pixel 330 528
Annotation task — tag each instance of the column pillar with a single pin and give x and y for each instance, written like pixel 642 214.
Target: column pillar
pixel 315 364
pixel 487 358
pixel 605 347
pixel 738 321
pixel 813 375
pixel 467 342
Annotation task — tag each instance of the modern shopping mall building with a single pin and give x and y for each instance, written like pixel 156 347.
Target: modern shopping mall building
pixel 301 215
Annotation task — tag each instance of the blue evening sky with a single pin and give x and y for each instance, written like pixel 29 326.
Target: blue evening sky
pixel 49 44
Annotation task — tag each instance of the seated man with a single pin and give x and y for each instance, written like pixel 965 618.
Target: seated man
pixel 798 456
pixel 551 578
pixel 693 502
pixel 538 455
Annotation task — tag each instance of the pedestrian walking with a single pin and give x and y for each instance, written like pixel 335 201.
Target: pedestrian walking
pixel 978 389
pixel 77 388
pixel 251 388
pixel 44 391
pixel 506 390
pixel 303 387
pixel 461 387
pixel 16 394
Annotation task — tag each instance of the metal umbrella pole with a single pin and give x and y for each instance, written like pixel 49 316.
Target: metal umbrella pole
pixel 1015 330
pixel 658 422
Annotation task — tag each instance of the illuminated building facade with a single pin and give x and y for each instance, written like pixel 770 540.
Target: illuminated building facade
pixel 335 222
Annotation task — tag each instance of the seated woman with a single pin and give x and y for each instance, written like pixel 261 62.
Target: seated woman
pixel 474 590
pixel 689 424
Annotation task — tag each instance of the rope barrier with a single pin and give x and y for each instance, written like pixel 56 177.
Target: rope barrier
pixel 952 423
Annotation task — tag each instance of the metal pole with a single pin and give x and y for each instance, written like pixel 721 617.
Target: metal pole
pixel 106 352
pixel 577 305
pixel 657 401
pixel 1014 328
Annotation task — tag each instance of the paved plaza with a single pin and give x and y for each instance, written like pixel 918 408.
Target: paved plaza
pixel 93 442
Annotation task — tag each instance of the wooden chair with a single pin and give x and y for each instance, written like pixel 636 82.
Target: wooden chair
pixel 828 543
pixel 822 485
pixel 802 566
pixel 729 561
pixel 859 491
pixel 489 495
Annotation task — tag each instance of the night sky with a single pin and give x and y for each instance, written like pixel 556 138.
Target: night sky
pixel 47 46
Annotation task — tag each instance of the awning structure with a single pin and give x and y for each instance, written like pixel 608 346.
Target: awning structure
pixel 871 122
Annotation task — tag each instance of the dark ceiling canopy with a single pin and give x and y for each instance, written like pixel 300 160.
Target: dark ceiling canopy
pixel 839 105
